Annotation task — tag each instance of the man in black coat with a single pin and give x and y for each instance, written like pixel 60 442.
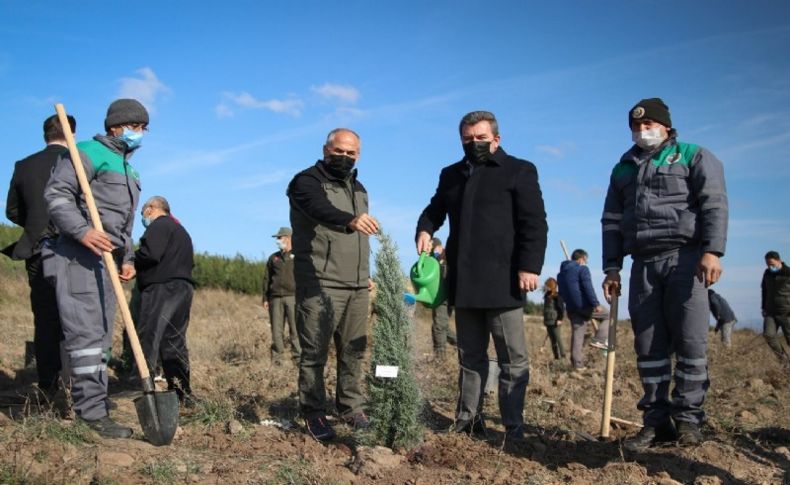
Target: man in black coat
pixel 776 303
pixel 494 255
pixel 164 263
pixel 26 207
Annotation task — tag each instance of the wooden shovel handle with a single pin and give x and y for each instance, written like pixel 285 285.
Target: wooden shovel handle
pixel 109 261
pixel 610 359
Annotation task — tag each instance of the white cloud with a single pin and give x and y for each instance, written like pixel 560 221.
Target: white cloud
pixel 290 106
pixel 345 93
pixel 262 179
pixel 556 151
pixel 146 88
pixel 223 110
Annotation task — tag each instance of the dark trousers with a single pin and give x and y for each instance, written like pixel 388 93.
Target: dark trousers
pixel 556 341
pixel 324 315
pixel 506 327
pixel 669 313
pixel 164 318
pixel 440 330
pixel 47 333
pixel 771 326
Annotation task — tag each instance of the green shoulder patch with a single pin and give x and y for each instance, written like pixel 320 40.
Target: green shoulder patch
pixel 679 152
pixel 624 169
pixel 106 160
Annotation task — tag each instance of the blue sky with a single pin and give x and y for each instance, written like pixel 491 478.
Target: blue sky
pixel 242 95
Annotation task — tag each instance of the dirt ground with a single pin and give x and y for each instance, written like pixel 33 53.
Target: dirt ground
pixel 247 430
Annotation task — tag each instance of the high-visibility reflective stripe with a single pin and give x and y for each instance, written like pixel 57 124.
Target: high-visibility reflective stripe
pixel 613 216
pixel 85 352
pixel 88 369
pixel 686 360
pixel 57 202
pixel 657 379
pixel 652 364
pixel 611 227
pixel 691 377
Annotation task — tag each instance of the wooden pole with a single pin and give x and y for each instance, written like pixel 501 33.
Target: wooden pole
pixel 610 359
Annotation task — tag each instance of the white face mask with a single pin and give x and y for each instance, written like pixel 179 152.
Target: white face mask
pixel 281 244
pixel 648 139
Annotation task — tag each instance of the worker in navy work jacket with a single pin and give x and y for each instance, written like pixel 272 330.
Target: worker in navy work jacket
pixel 86 300
pixel 666 206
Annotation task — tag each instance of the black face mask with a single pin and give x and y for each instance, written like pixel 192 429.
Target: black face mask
pixel 477 152
pixel 339 166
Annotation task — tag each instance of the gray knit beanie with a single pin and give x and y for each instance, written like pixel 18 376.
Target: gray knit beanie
pixel 125 111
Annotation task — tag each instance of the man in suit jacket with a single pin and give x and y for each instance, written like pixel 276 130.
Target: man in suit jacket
pixel 494 255
pixel 26 207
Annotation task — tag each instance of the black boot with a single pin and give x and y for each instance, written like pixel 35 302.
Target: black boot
pixel 475 427
pixel 649 435
pixel 107 428
pixel 177 377
pixel 689 434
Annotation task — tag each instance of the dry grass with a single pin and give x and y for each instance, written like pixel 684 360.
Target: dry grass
pixel 229 340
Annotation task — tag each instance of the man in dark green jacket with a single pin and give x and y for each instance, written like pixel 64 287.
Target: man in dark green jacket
pixel 279 288
pixel 776 303
pixel 331 226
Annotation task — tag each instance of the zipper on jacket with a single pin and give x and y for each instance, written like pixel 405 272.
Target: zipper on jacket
pixel 328 253
pixel 350 188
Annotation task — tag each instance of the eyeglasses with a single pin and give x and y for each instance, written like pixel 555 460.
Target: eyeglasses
pixel 136 126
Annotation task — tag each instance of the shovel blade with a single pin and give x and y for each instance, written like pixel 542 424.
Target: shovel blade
pixel 158 415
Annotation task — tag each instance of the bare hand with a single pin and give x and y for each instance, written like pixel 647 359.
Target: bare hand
pixel 127 272
pixel 709 269
pixel 527 281
pixel 371 284
pixel 424 242
pixel 266 305
pixel 365 224
pixel 97 241
pixel 559 322
pixel 611 285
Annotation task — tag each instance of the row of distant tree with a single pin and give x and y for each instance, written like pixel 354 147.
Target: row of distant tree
pixel 236 274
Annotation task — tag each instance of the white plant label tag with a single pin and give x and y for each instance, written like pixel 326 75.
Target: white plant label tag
pixel 387 371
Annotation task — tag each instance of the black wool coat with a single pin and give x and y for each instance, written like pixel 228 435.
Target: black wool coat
pixel 25 205
pixel 497 228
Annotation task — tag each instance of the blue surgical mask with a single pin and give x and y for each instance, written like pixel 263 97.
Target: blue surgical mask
pixel 774 269
pixel 133 139
pixel 436 254
pixel 146 222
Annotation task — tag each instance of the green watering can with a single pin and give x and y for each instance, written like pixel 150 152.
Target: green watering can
pixel 426 276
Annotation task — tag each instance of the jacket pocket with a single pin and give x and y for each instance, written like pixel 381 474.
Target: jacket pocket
pixel 687 223
pixel 672 180
pixel 81 280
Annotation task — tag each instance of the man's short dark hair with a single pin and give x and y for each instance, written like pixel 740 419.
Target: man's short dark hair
pixel 53 130
pixel 476 117
pixel 578 254
pixel 773 255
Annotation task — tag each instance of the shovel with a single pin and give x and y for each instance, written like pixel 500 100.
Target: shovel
pixel 157 411
pixel 607 396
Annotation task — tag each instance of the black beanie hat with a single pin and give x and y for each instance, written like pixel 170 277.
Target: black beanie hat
pixel 652 109
pixel 125 111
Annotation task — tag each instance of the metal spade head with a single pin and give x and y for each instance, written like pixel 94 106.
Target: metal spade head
pixel 158 415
